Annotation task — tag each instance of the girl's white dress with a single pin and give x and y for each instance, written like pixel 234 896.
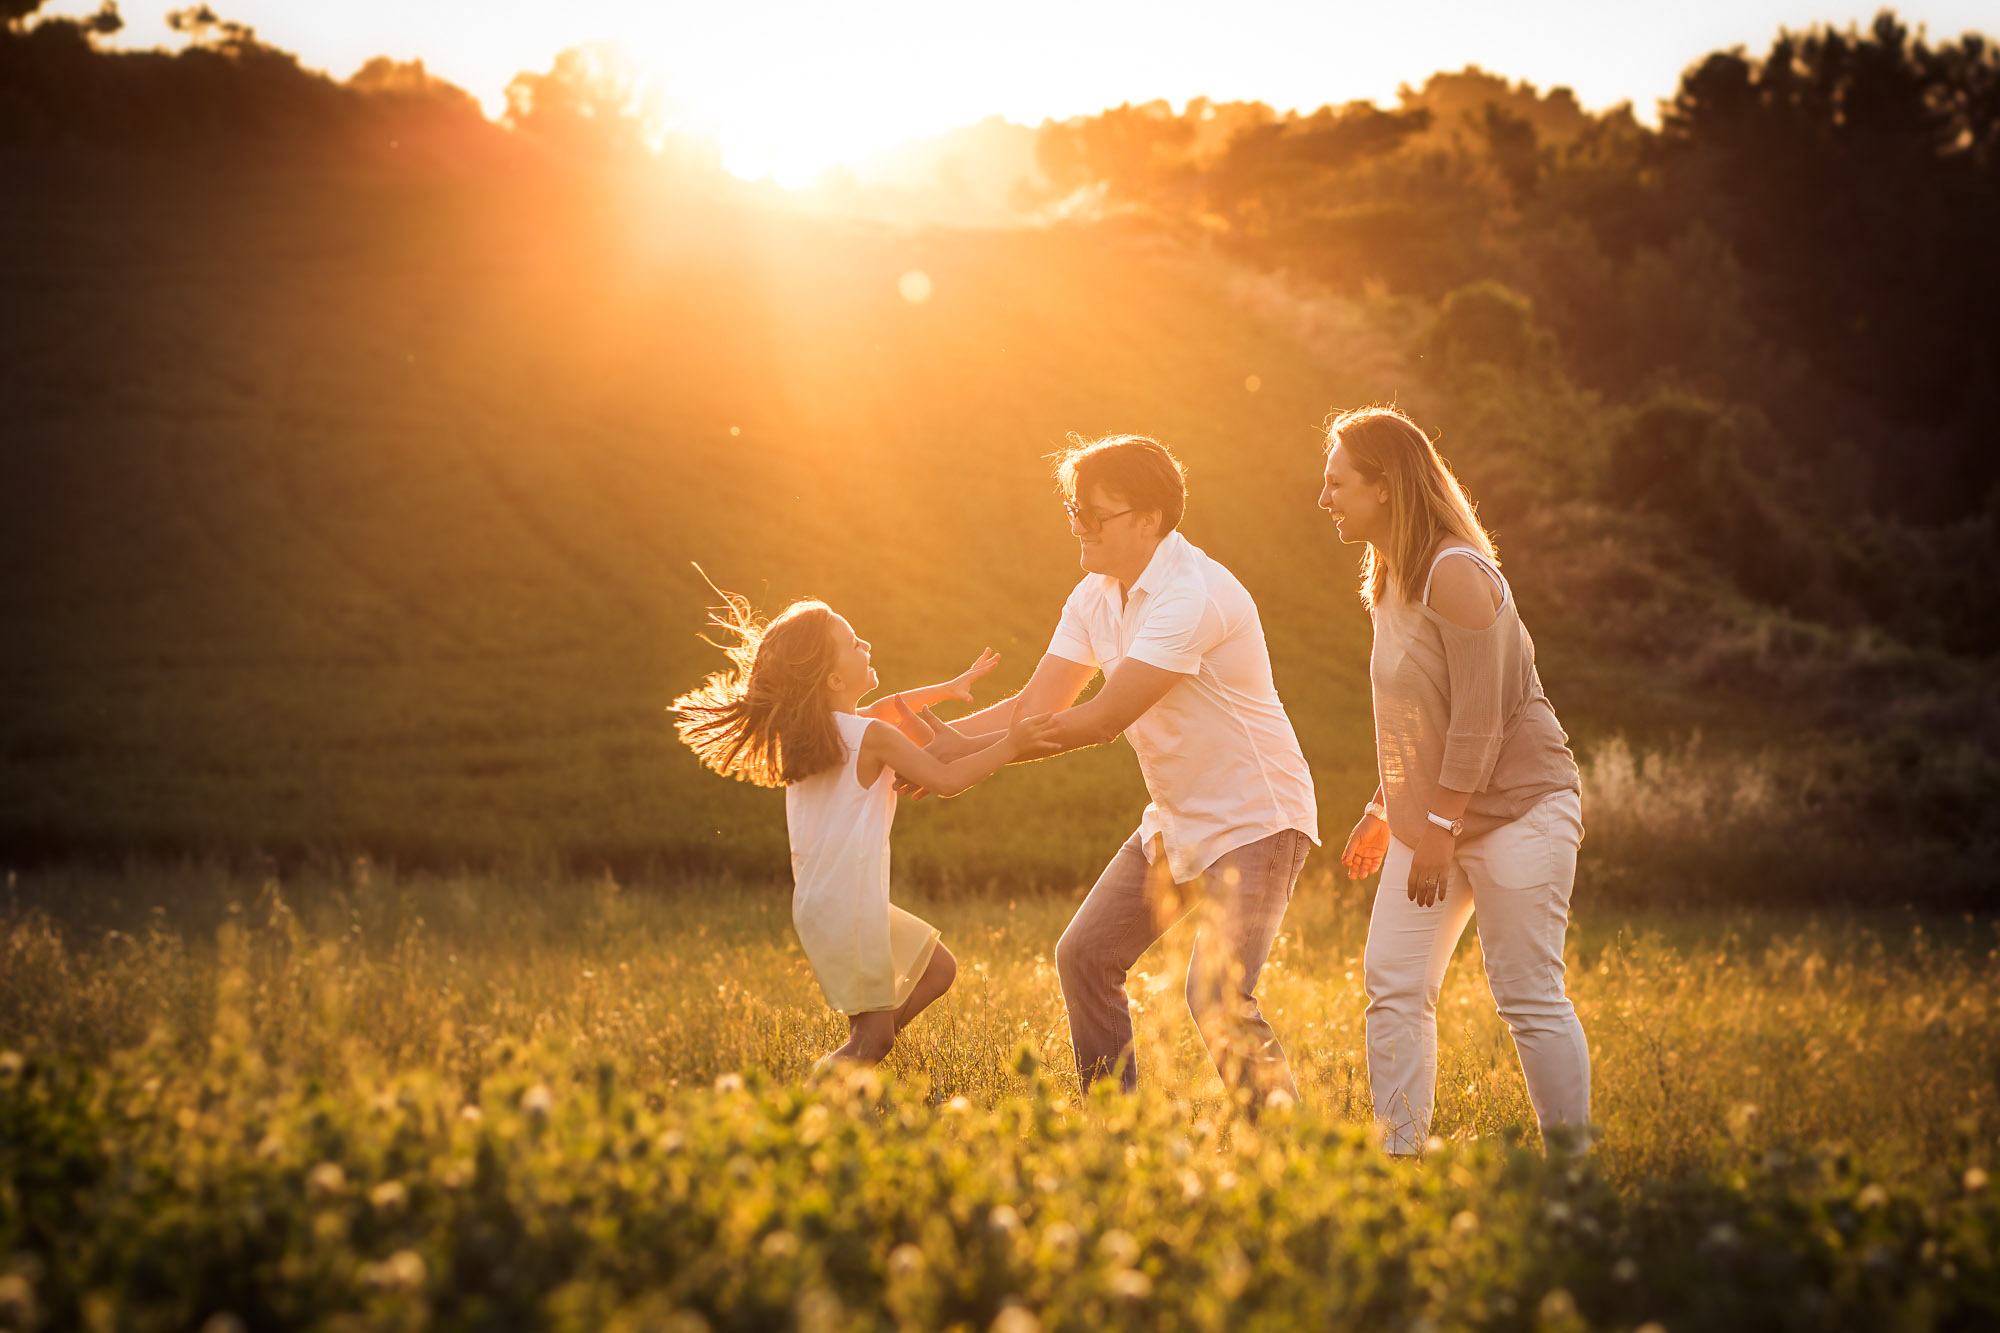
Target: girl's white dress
pixel 866 952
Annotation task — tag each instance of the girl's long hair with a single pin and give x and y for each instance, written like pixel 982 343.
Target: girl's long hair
pixel 1427 506
pixel 765 719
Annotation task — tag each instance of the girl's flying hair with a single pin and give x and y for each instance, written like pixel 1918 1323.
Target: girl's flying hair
pixel 766 719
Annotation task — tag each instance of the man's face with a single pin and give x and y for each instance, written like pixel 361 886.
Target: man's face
pixel 1112 538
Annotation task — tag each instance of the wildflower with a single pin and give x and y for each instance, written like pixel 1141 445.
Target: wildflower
pixel 1625 1270
pixel 957 1105
pixel 1722 1235
pixel 1871 1197
pixel 10 1065
pixel 780 1245
pixel 17 1298
pixel 1975 1179
pixel 403 1269
pixel 1279 1102
pixel 1015 1319
pixel 538 1101
pixel 672 1142
pixel 728 1083
pixel 1433 1144
pixel 471 1114
pixel 812 1124
pixel 1004 1220
pixel 389 1197
pixel 1464 1223
pixel 1118 1248
pixel 271 1146
pixel 1558 1306
pixel 1557 1213
pixel 1061 1239
pixel 906 1261
pixel 326 1180
pixel 1131 1284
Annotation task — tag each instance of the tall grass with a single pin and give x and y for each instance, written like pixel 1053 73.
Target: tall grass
pixel 353 1099
pixel 1706 1033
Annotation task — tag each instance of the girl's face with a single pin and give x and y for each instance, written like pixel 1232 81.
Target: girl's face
pixel 852 675
pixel 1360 507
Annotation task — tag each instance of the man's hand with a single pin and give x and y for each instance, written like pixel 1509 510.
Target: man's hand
pixel 959 687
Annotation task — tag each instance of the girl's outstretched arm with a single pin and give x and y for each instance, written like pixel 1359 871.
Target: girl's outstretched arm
pixel 959 687
pixel 883 746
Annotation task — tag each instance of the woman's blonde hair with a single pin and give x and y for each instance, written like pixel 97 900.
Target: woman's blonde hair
pixel 1427 506
pixel 766 718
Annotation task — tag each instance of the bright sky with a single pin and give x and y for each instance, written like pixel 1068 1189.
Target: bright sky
pixel 789 87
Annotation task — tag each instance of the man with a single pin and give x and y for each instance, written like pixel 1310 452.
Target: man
pixel 1188 682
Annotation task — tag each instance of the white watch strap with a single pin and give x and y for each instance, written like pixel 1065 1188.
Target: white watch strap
pixel 1448 825
pixel 1376 809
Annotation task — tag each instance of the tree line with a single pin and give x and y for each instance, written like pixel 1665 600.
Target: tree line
pixel 1788 292
pixel 1791 288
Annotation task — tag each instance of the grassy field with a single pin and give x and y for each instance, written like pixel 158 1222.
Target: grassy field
pixel 345 516
pixel 355 1099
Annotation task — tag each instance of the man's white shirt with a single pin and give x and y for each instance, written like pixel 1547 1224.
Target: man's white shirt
pixel 1219 755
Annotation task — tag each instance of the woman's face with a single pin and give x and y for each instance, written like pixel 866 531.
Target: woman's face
pixel 1360 508
pixel 852 673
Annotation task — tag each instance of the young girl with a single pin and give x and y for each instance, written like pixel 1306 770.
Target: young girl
pixel 787 714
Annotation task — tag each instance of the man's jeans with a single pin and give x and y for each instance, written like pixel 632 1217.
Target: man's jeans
pixel 1242 898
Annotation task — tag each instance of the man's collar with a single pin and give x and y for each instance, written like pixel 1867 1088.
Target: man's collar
pixel 1166 557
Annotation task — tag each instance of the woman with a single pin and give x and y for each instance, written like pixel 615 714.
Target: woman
pixel 1479 806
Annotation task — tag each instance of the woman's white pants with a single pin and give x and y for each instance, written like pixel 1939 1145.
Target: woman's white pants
pixel 1518 878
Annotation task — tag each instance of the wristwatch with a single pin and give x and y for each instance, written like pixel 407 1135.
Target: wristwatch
pixel 1451 826
pixel 1376 809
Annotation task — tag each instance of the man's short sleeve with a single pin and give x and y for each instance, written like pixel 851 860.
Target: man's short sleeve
pixel 1072 636
pixel 1179 629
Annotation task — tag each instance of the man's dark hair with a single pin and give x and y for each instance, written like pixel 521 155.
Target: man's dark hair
pixel 1137 468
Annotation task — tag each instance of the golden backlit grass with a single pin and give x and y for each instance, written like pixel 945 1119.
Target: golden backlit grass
pixel 352 1100
pixel 1709 1036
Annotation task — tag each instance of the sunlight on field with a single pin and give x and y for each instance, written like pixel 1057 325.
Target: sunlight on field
pixel 476 1100
pixel 1877 1037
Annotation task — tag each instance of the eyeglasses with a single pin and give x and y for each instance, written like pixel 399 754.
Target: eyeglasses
pixel 1090 520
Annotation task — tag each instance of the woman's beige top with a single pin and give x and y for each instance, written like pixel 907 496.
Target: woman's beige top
pixel 1461 708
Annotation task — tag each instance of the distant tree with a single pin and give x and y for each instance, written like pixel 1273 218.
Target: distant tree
pixel 592 103
pixel 1136 152
pixel 1856 176
pixel 15 12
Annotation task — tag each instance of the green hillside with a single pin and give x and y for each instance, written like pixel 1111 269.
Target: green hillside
pixel 355 515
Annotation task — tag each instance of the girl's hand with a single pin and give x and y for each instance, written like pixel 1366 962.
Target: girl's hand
pixel 1033 737
pixel 948 742
pixel 1366 847
pixel 896 711
pixel 959 687
pixel 1430 868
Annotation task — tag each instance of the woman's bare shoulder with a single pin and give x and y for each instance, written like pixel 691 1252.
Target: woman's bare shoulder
pixel 1463 593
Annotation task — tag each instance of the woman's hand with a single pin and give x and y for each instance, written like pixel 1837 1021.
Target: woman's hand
pixel 1430 868
pixel 959 687
pixel 1366 847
